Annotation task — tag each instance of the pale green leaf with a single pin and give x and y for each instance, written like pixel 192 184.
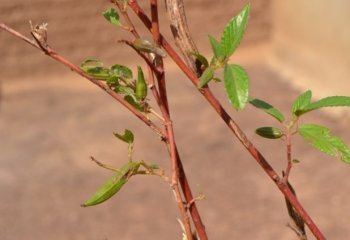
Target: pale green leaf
pixel 301 102
pixel 127 137
pixel 333 101
pixel 266 107
pixel 236 85
pixel 233 32
pixel 207 75
pixel 215 46
pixel 319 138
pixel 112 16
pixel 113 185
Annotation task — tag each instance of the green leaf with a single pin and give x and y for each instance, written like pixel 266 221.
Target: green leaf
pixel 333 101
pixel 112 81
pixel 125 90
pixel 269 132
pixel 207 75
pixel 301 102
pixel 100 73
pixel 236 85
pixel 91 62
pixel 94 68
pixel 216 47
pixel 112 16
pixel 318 136
pixel 127 137
pixel 113 185
pixel 131 99
pixel 141 85
pixel 233 32
pixel 266 107
pixel 200 58
pixel 121 71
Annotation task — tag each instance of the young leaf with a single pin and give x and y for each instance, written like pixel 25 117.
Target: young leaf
pixel 236 85
pixel 301 102
pixel 201 59
pixel 92 62
pixel 94 68
pixel 233 32
pixel 333 101
pixel 112 82
pixel 144 45
pixel 269 132
pixel 131 99
pixel 112 16
pixel 141 85
pixel 207 75
pixel 216 47
pixel 269 109
pixel 100 73
pixel 113 185
pixel 121 71
pixel 125 90
pixel 127 137
pixel 319 138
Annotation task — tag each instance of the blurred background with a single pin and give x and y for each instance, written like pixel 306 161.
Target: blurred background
pixel 51 121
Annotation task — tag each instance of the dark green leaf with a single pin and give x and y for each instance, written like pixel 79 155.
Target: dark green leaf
pixel 113 185
pixel 201 59
pixel 333 101
pixel 216 47
pixel 112 16
pixel 301 102
pixel 233 32
pixel 127 137
pixel 236 85
pixel 319 138
pixel 121 71
pixel 269 132
pixel 269 109
pixel 207 75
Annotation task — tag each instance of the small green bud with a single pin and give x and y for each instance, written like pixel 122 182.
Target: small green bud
pixel 269 132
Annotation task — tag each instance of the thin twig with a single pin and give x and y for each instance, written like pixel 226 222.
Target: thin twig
pixel 53 54
pixel 232 126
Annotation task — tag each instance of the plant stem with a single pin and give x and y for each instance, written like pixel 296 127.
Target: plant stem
pixel 164 107
pixel 259 158
pixel 53 54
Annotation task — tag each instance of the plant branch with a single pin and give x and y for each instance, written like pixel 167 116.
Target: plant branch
pixel 51 53
pixel 181 32
pixel 164 107
pixel 259 158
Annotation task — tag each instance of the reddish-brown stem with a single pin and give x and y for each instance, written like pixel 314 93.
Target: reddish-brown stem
pixel 289 156
pixel 133 31
pixel 232 125
pixel 164 107
pixel 100 84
